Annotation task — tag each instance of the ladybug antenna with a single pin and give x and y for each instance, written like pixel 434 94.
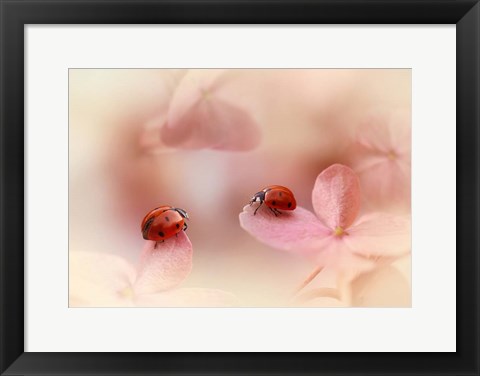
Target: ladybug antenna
pixel 182 212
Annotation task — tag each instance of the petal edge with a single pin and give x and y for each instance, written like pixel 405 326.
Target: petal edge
pixel 336 196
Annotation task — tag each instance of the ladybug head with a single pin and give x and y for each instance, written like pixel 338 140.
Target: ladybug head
pixel 258 197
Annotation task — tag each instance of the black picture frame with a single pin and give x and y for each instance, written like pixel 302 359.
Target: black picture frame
pixel 17 13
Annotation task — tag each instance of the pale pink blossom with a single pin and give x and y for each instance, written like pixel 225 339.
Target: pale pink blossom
pixel 381 156
pixel 106 280
pixel 204 113
pixel 150 140
pixel 335 236
pixel 383 286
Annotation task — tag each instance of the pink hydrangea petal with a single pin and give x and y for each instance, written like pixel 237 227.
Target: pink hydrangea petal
pixel 387 183
pixel 215 124
pixel 383 287
pixel 340 265
pixel 150 140
pixel 400 128
pixel 164 267
pixel 295 231
pixel 385 131
pixel 336 196
pixel 201 115
pixel 374 133
pixel 380 235
pixel 368 161
pixel 382 159
pixel 188 297
pixel 99 280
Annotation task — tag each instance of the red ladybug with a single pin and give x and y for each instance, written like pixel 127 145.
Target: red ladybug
pixel 163 222
pixel 275 197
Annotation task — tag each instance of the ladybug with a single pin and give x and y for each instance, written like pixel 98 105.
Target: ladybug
pixel 163 222
pixel 275 197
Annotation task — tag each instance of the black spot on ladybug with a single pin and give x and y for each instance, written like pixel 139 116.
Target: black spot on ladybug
pixel 280 194
pixel 274 202
pixel 289 204
pixel 161 234
pixel 178 226
pixel 167 219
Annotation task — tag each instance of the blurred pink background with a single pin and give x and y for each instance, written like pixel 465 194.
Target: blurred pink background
pixel 302 121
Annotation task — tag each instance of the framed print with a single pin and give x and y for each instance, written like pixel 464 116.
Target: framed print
pixel 239 187
pixel 193 152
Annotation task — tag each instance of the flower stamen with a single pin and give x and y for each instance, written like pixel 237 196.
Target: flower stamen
pixel 392 155
pixel 205 94
pixel 127 292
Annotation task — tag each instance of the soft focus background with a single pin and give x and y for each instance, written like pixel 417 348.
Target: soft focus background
pixel 302 122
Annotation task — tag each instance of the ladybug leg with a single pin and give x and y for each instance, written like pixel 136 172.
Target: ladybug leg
pixel 255 212
pixel 185 226
pixel 277 211
pixel 273 211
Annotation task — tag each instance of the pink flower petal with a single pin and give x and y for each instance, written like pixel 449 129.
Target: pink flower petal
pixel 385 131
pixel 188 297
pixel 380 235
pixel 99 280
pixel 164 267
pixel 336 196
pixel 383 287
pixel 387 182
pixel 374 133
pixel 340 264
pixel 296 231
pixel 381 157
pixel 202 116
pixel 150 140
